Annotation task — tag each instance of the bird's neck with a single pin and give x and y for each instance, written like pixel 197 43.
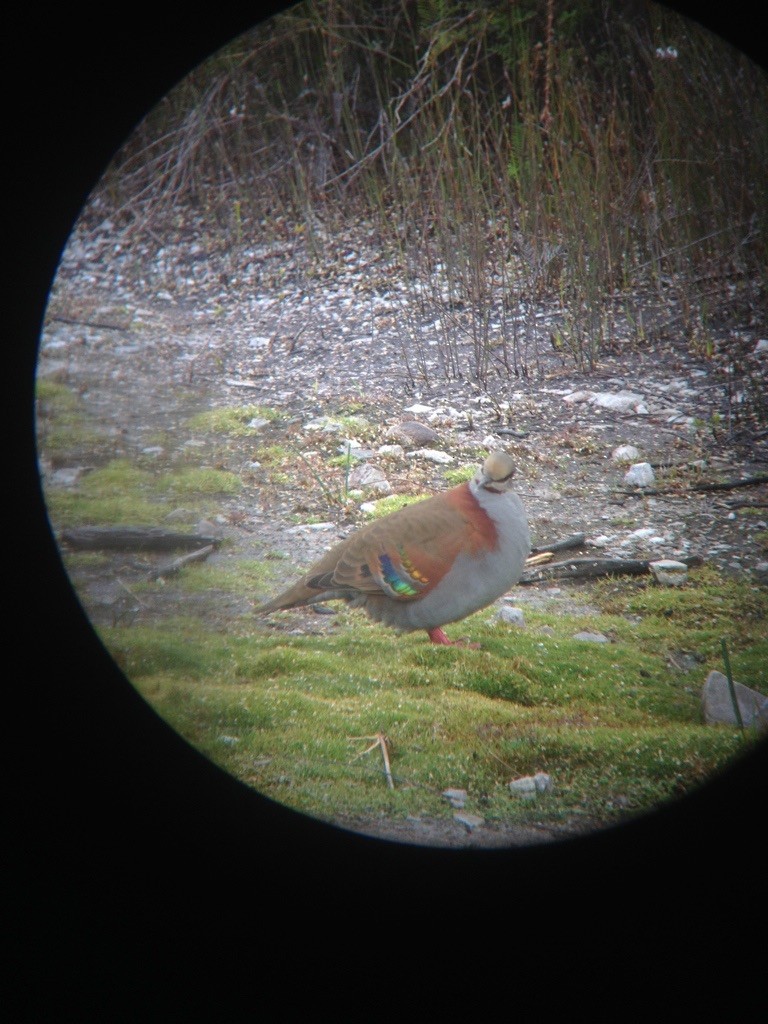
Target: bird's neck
pixel 476 506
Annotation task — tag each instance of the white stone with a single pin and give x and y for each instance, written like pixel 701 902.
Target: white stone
pixel 640 475
pixel 592 638
pixel 761 348
pixel 578 396
pixel 642 534
pixel 469 821
pixel 669 572
pixel 622 401
pixel 324 423
pixel 432 455
pixel 625 453
pixel 392 449
pixel 599 542
pixel 456 797
pixel 510 615
pixel 365 475
pixel 418 409
pixel 529 785
pixel 718 703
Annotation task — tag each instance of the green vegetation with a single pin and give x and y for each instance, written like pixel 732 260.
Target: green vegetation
pixel 119 492
pixel 64 428
pixel 122 492
pixel 191 481
pixel 393 502
pixel 458 476
pixel 615 727
pixel 233 421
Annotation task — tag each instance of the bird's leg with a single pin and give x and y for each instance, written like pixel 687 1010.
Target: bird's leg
pixel 437 636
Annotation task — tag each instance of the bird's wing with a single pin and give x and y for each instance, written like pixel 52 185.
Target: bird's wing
pixel 406 554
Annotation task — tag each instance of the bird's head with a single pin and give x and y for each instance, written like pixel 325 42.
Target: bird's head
pixel 496 473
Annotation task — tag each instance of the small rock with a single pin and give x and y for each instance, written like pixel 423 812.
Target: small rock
pixel 456 797
pixel 640 475
pixel 644 533
pixel 669 572
pixel 413 432
pixel 350 445
pixel 625 453
pixel 324 423
pixel 257 422
pixel 392 450
pixel 431 455
pixel 66 477
pixel 623 401
pixel 578 396
pixel 718 705
pixel 369 507
pixel 592 638
pixel 761 571
pixel 599 542
pixel 419 410
pixel 512 616
pixel 530 785
pixel 469 821
pixel 761 348
pixel 367 475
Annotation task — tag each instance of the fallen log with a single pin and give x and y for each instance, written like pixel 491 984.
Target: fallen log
pixel 576 540
pixel 591 568
pixel 133 538
pixel 722 485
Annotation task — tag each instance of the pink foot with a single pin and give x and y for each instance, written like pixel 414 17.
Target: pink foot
pixel 437 636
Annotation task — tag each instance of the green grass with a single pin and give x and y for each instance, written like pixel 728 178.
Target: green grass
pixel 193 481
pixel 119 492
pixel 394 502
pixel 462 473
pixel 123 492
pixel 233 421
pixel 617 729
pixel 64 428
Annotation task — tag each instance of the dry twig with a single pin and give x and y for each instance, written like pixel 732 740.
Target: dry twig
pixel 379 740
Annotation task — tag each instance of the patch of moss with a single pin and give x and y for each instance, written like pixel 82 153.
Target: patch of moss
pixel 64 428
pixel 191 481
pixel 234 421
pixel 119 492
pixel 460 474
pixel 393 502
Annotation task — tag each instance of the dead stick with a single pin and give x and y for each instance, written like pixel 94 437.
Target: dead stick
pixel 385 755
pixel 379 740
pixel 574 541
pixel 725 485
pixel 178 563
pixel 590 568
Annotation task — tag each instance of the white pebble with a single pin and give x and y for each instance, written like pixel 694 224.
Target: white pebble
pixel 640 475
